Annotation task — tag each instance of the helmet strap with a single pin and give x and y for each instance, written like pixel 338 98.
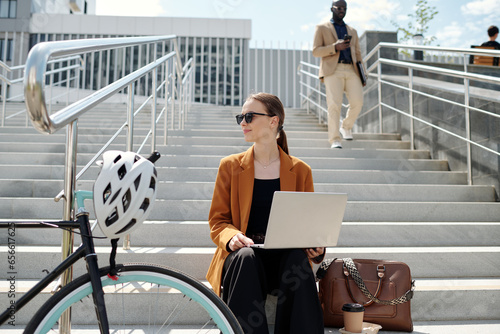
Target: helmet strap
pixel 112 263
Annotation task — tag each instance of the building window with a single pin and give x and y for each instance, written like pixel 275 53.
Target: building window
pixel 8 9
pixel 3 55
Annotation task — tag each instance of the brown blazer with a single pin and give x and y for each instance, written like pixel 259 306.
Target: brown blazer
pixel 232 200
pixel 324 38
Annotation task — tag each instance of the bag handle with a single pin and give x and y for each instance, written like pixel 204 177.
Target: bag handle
pixel 380 275
pixel 353 271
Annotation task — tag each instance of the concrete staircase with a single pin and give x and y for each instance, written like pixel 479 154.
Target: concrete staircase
pixel 402 206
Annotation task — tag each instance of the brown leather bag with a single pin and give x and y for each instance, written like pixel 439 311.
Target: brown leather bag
pixel 383 287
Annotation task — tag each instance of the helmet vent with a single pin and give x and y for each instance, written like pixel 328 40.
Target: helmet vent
pixel 106 193
pixel 137 182
pixel 152 183
pixel 137 158
pixel 117 158
pixel 112 218
pixel 145 204
pixel 126 200
pixel 128 226
pixel 115 196
pixel 122 171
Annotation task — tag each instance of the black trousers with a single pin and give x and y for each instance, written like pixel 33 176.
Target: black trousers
pixel 250 274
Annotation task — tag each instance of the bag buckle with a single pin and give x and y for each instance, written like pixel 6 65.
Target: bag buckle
pixel 381 270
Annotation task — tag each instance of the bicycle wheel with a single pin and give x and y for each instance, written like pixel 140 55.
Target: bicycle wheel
pixel 145 299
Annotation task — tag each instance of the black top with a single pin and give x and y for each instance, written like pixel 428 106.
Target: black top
pixel 341 31
pixel 263 191
pixel 492 43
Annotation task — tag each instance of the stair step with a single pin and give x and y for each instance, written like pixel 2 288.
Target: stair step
pixel 352 234
pixel 181 151
pixel 206 141
pixel 361 211
pixel 332 175
pixel 454 295
pixel 213 161
pixel 20 132
pixel 204 190
pixel 428 262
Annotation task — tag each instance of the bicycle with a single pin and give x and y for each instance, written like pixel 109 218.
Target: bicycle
pixel 174 298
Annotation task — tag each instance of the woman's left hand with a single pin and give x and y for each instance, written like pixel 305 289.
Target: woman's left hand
pixel 314 252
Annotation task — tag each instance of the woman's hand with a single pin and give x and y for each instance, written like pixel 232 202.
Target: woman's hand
pixel 315 252
pixel 239 241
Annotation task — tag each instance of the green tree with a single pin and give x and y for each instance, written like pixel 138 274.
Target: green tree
pixel 419 24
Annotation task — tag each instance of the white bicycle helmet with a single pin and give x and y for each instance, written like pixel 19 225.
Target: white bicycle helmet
pixel 124 192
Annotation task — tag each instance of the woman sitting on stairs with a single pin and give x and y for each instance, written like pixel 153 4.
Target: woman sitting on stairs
pixel 238 218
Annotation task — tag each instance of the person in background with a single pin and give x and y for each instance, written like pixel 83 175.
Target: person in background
pixel 238 217
pixel 493 34
pixel 337 45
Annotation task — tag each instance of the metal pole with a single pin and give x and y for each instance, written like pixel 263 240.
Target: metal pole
pixel 467 132
pixel 412 124
pixel 130 138
pixel 4 100
pixel 379 74
pixel 467 124
pixel 165 117
pixel 68 237
pixel 155 96
pixel 174 92
pixel 153 111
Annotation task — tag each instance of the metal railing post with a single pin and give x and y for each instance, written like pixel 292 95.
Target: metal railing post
pixel 379 78
pixel 130 138
pixel 4 100
pixel 69 189
pixel 174 94
pixel 412 123
pixel 153 112
pixel 467 131
pixel 155 95
pixel 165 118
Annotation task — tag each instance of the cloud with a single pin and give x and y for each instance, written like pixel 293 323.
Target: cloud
pixel 372 15
pixel 452 34
pixel 481 8
pixel 129 8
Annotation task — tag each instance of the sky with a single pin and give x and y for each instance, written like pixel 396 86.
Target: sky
pixel 459 23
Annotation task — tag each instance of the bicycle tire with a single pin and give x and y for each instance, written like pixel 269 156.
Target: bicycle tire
pixel 136 277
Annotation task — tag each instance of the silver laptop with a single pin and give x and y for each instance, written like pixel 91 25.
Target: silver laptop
pixel 304 220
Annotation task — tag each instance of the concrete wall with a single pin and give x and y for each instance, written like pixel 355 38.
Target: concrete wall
pixel 485 129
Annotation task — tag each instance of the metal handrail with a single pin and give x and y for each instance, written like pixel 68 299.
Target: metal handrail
pixel 474 52
pixel 36 65
pixel 439 70
pixel 410 66
pixel 10 82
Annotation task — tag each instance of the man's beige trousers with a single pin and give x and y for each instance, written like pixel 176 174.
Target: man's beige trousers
pixel 344 79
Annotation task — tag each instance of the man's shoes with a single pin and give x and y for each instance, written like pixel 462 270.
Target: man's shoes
pixel 336 144
pixel 346 134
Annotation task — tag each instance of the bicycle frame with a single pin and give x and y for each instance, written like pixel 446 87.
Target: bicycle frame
pixel 86 250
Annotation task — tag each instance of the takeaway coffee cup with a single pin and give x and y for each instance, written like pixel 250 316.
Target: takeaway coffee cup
pixel 353 317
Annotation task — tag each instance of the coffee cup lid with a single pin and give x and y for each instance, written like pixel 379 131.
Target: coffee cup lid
pixel 353 307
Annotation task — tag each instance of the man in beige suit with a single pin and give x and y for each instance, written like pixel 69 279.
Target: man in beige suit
pixel 338 46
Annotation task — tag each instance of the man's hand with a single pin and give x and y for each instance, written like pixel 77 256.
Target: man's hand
pixel 342 44
pixel 239 241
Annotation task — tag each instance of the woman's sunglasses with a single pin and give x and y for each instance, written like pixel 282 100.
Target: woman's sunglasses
pixel 248 117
